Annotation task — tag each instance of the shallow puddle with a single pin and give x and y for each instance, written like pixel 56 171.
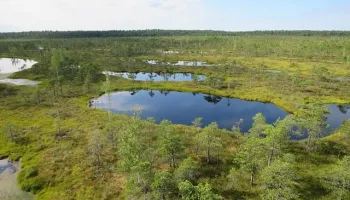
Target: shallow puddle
pixel 9 190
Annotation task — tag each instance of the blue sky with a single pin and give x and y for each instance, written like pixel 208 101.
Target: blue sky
pixel 284 14
pixel 231 15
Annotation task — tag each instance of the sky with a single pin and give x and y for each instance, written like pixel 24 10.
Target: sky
pixel 229 15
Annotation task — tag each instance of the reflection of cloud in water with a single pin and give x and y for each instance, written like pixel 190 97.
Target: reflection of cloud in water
pixel 183 108
pixel 8 65
pixel 120 102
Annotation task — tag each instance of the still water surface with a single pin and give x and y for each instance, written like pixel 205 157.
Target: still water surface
pixel 144 76
pixel 9 66
pixel 9 189
pixel 182 108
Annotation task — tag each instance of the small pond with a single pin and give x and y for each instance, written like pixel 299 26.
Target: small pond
pixel 12 65
pixel 9 189
pixel 142 76
pixel 182 108
pixel 339 114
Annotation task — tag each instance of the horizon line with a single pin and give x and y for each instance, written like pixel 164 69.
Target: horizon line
pixel 213 30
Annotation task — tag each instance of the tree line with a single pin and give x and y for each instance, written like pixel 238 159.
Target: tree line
pixel 158 32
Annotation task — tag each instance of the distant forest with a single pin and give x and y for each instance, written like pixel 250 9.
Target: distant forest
pixel 154 33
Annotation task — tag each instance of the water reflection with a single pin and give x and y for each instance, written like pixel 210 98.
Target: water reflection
pixel 8 186
pixel 11 65
pixel 151 93
pixel 165 93
pixel 212 99
pixel 344 108
pixel 143 76
pixel 338 114
pixel 133 92
pixel 182 108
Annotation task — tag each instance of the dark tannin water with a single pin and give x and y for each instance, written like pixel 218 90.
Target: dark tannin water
pixel 183 108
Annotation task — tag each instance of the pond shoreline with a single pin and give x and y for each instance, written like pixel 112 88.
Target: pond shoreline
pixel 337 116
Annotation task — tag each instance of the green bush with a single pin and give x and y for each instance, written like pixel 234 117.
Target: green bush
pixel 29 180
pixel 32 185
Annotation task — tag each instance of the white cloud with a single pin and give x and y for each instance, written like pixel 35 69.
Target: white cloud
pixel 100 14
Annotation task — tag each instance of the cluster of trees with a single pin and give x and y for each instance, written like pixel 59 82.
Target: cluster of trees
pixel 157 33
pixel 66 68
pixel 142 148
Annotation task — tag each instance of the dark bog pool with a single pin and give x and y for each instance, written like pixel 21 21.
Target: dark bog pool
pixel 183 108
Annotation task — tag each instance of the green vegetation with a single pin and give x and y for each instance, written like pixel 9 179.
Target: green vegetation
pixel 71 151
pixel 157 33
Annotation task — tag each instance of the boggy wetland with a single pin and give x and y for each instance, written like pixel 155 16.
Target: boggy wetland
pixel 251 115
